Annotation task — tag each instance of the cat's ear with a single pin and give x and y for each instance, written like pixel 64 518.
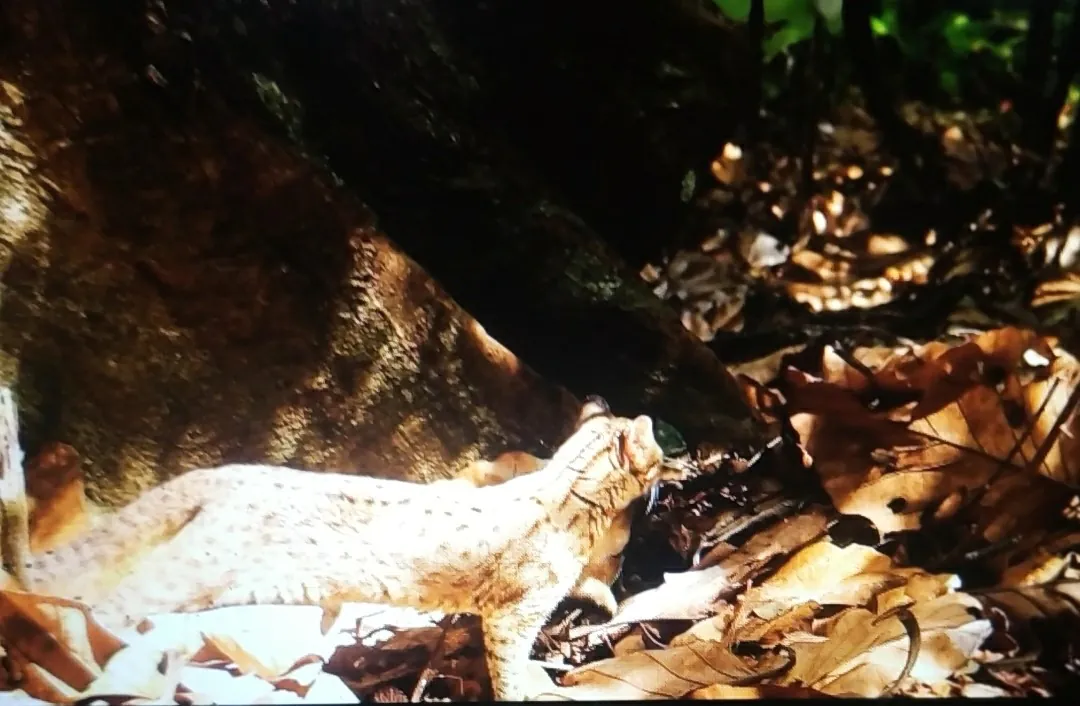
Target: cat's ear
pixel 594 406
pixel 638 449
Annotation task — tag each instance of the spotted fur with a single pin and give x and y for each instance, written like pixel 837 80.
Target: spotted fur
pixel 253 534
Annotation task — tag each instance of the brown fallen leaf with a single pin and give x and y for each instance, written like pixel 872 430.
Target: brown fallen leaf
pixel 826 574
pixel 859 650
pixel 377 656
pixel 1054 600
pixel 863 655
pixel 1053 558
pixel 694 594
pixel 820 576
pixel 932 429
pixel 66 647
pixel 299 679
pixel 669 673
pixel 231 651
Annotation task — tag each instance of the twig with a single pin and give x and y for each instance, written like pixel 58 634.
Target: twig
pixel 911 626
pixel 429 670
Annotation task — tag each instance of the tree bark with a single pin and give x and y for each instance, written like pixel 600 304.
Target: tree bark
pixel 405 117
pixel 187 290
pixel 181 289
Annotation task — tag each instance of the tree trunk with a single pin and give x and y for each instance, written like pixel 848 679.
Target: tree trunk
pixel 182 290
pixel 405 116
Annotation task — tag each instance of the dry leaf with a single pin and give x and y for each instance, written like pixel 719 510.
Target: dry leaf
pixel 826 574
pixel 266 640
pixel 658 674
pixel 864 658
pixel 933 426
pixel 57 636
pixel 693 594
pixel 1056 600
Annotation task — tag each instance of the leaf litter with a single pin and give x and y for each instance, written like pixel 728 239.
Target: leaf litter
pixel 959 454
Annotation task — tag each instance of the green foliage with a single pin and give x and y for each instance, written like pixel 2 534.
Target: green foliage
pixel 968 46
pixel 955 41
pixel 792 20
pixel 668 437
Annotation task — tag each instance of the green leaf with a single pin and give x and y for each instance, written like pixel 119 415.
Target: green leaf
pixel 671 442
pixel 797 12
pixel 783 39
pixel 737 10
pixel 775 10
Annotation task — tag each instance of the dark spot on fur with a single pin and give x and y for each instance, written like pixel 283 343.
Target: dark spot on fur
pixel 279 485
pixel 462 528
pixel 476 510
pixel 511 593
